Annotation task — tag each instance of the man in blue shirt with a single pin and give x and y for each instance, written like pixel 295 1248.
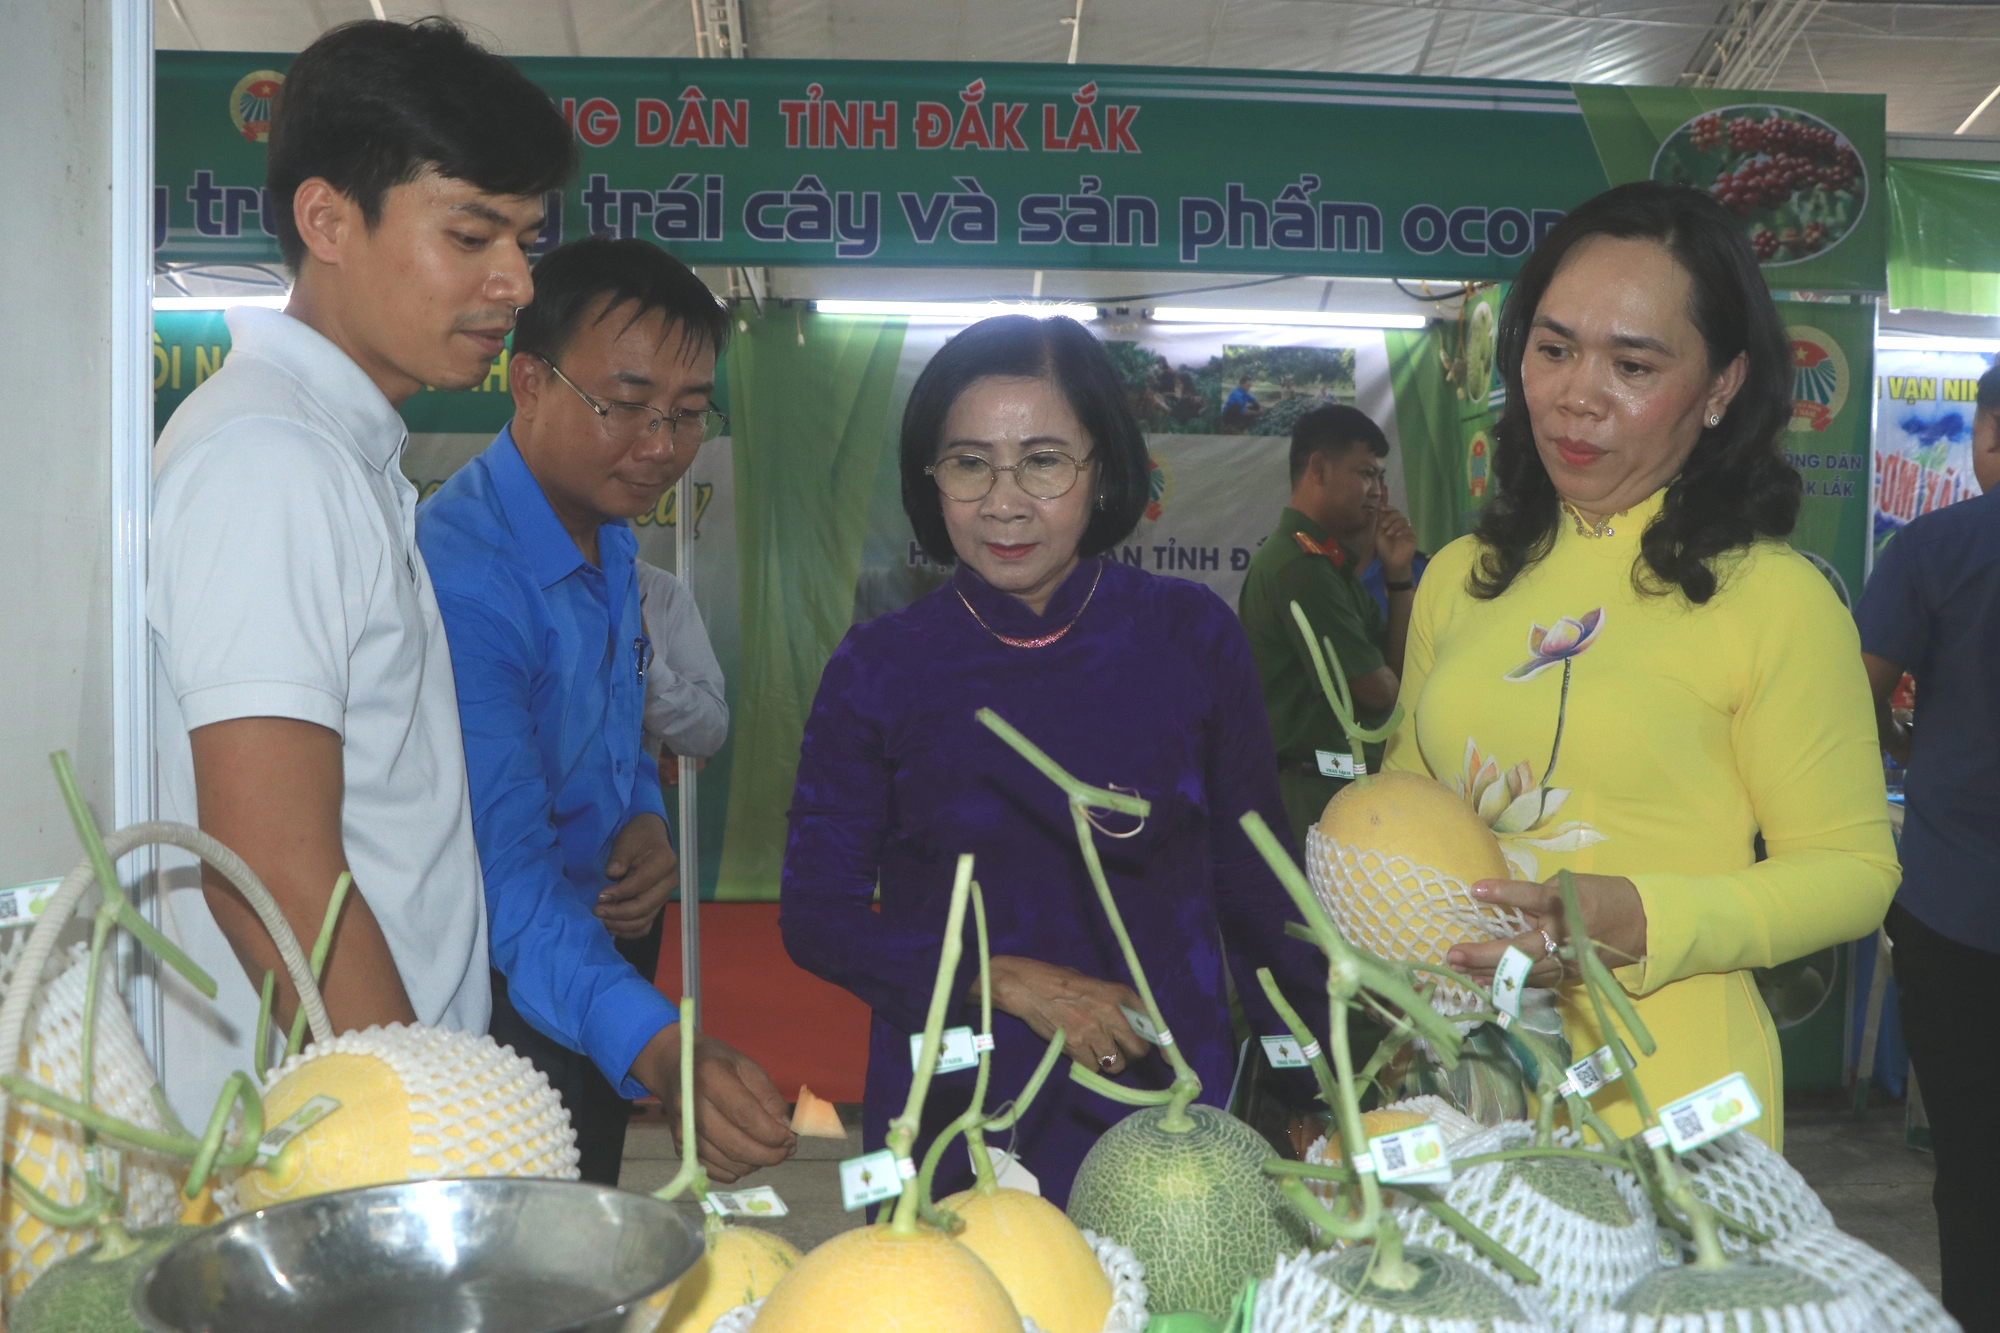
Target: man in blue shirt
pixel 1932 609
pixel 529 545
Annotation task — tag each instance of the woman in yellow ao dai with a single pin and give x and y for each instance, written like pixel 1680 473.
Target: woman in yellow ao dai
pixel 1626 669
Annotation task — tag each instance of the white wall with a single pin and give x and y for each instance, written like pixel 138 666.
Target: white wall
pixel 55 427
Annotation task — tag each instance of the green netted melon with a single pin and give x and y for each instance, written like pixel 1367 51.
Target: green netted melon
pixel 1195 1207
pixel 90 1293
pixel 1447 1288
pixel 1574 1186
pixel 1688 1291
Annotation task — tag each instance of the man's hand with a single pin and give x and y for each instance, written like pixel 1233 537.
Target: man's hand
pixel 1046 996
pixel 740 1121
pixel 1612 911
pixel 1395 545
pixel 643 870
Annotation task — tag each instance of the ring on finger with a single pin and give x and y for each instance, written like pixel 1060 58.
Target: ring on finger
pixel 1106 1061
pixel 1549 946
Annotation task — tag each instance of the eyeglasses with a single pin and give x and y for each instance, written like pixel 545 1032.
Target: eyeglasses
pixel 630 423
pixel 1046 474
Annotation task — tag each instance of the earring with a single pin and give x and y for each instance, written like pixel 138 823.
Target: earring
pixel 1715 419
pixel 1100 502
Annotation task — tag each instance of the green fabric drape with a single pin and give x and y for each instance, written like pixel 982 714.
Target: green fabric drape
pixel 812 396
pixel 1427 432
pixel 1944 236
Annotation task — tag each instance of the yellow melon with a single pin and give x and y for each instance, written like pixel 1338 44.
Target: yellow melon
pixel 870 1280
pixel 1043 1261
pixel 415 1103
pixel 1374 1123
pixel 1419 819
pixel 816 1118
pixel 742 1265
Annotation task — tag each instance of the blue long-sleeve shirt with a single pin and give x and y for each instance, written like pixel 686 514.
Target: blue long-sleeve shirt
pixel 549 657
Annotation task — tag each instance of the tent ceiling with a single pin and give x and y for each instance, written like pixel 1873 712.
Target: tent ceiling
pixel 1935 61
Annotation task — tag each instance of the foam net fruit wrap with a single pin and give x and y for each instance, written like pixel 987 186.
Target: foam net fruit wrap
pixel 1585 1263
pixel 46 1149
pixel 1852 1268
pixel 1844 1314
pixel 1297 1298
pixel 1745 1177
pixel 1395 909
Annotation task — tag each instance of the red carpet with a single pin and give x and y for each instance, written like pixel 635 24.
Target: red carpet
pixel 801 1029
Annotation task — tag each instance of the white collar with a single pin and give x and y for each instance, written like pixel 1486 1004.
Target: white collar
pixel 330 376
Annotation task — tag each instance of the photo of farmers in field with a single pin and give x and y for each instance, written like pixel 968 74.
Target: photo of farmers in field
pixel 1244 391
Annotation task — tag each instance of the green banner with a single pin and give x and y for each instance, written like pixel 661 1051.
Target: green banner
pixel 1828 440
pixel 775 162
pixel 1943 251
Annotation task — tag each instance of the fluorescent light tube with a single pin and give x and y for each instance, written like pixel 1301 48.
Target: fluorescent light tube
pixel 269 300
pixel 966 311
pixel 1321 319
pixel 1924 342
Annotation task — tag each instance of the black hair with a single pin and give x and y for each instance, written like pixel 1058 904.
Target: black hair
pixel 1989 389
pixel 1333 430
pixel 631 275
pixel 1063 352
pixel 371 104
pixel 1736 486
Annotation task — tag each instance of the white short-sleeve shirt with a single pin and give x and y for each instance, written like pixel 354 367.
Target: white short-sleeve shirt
pixel 285 581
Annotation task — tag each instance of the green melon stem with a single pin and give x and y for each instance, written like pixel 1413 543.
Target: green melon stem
pixel 321 947
pixel 902 1135
pixel 113 1240
pixel 691 1177
pixel 260 1045
pixel 1350 971
pixel 1339 697
pixel 1084 798
pixel 210 1152
pixel 1329 1087
pixel 1499 1255
pixel 171 1143
pixel 94 1205
pixel 1605 994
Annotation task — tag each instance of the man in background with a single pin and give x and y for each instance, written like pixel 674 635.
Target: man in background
pixel 303 700
pixel 1932 609
pixel 1240 409
pixel 530 542
pixel 1339 512
pixel 687 711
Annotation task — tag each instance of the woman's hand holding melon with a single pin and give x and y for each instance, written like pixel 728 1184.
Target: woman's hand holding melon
pixel 1612 912
pixel 1047 996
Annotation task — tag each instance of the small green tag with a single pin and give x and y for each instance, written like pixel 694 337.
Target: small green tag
pixel 1184 1321
pixel 870 1178
pixel 22 904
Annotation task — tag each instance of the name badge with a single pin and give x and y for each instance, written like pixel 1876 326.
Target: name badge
pixel 1332 765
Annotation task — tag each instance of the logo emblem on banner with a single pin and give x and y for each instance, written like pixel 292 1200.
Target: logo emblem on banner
pixel 1819 378
pixel 250 103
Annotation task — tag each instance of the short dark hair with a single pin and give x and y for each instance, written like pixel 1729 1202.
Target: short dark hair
pixel 1333 430
pixel 371 104
pixel 1736 486
pixel 1063 352
pixel 1989 389
pixel 634 273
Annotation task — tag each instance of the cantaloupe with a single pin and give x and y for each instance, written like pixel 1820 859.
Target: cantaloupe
pixel 416 1103
pixel 45 1149
pixel 872 1280
pixel 91 1292
pixel 742 1265
pixel 816 1118
pixel 1418 819
pixel 1195 1207
pixel 1043 1261
pixel 1375 1123
pixel 1718 1294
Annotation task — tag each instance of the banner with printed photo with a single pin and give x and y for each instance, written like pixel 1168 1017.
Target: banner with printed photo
pixel 940 164
pixel 1925 403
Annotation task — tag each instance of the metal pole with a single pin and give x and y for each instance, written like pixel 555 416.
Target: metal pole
pixel 689 806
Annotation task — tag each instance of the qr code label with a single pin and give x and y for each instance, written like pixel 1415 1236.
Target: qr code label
pixel 1594 1071
pixel 22 905
pixel 1708 1113
pixel 1411 1156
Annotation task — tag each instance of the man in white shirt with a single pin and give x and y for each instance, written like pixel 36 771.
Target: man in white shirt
pixel 305 711
pixel 687 713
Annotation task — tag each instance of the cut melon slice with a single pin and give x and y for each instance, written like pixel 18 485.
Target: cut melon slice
pixel 816 1118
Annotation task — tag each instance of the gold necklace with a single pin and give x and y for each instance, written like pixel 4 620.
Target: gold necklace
pixel 1601 528
pixel 1044 640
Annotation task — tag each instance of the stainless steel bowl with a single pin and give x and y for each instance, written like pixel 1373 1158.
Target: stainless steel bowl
pixel 434 1256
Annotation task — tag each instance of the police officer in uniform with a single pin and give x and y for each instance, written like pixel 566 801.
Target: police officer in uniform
pixel 1338 521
